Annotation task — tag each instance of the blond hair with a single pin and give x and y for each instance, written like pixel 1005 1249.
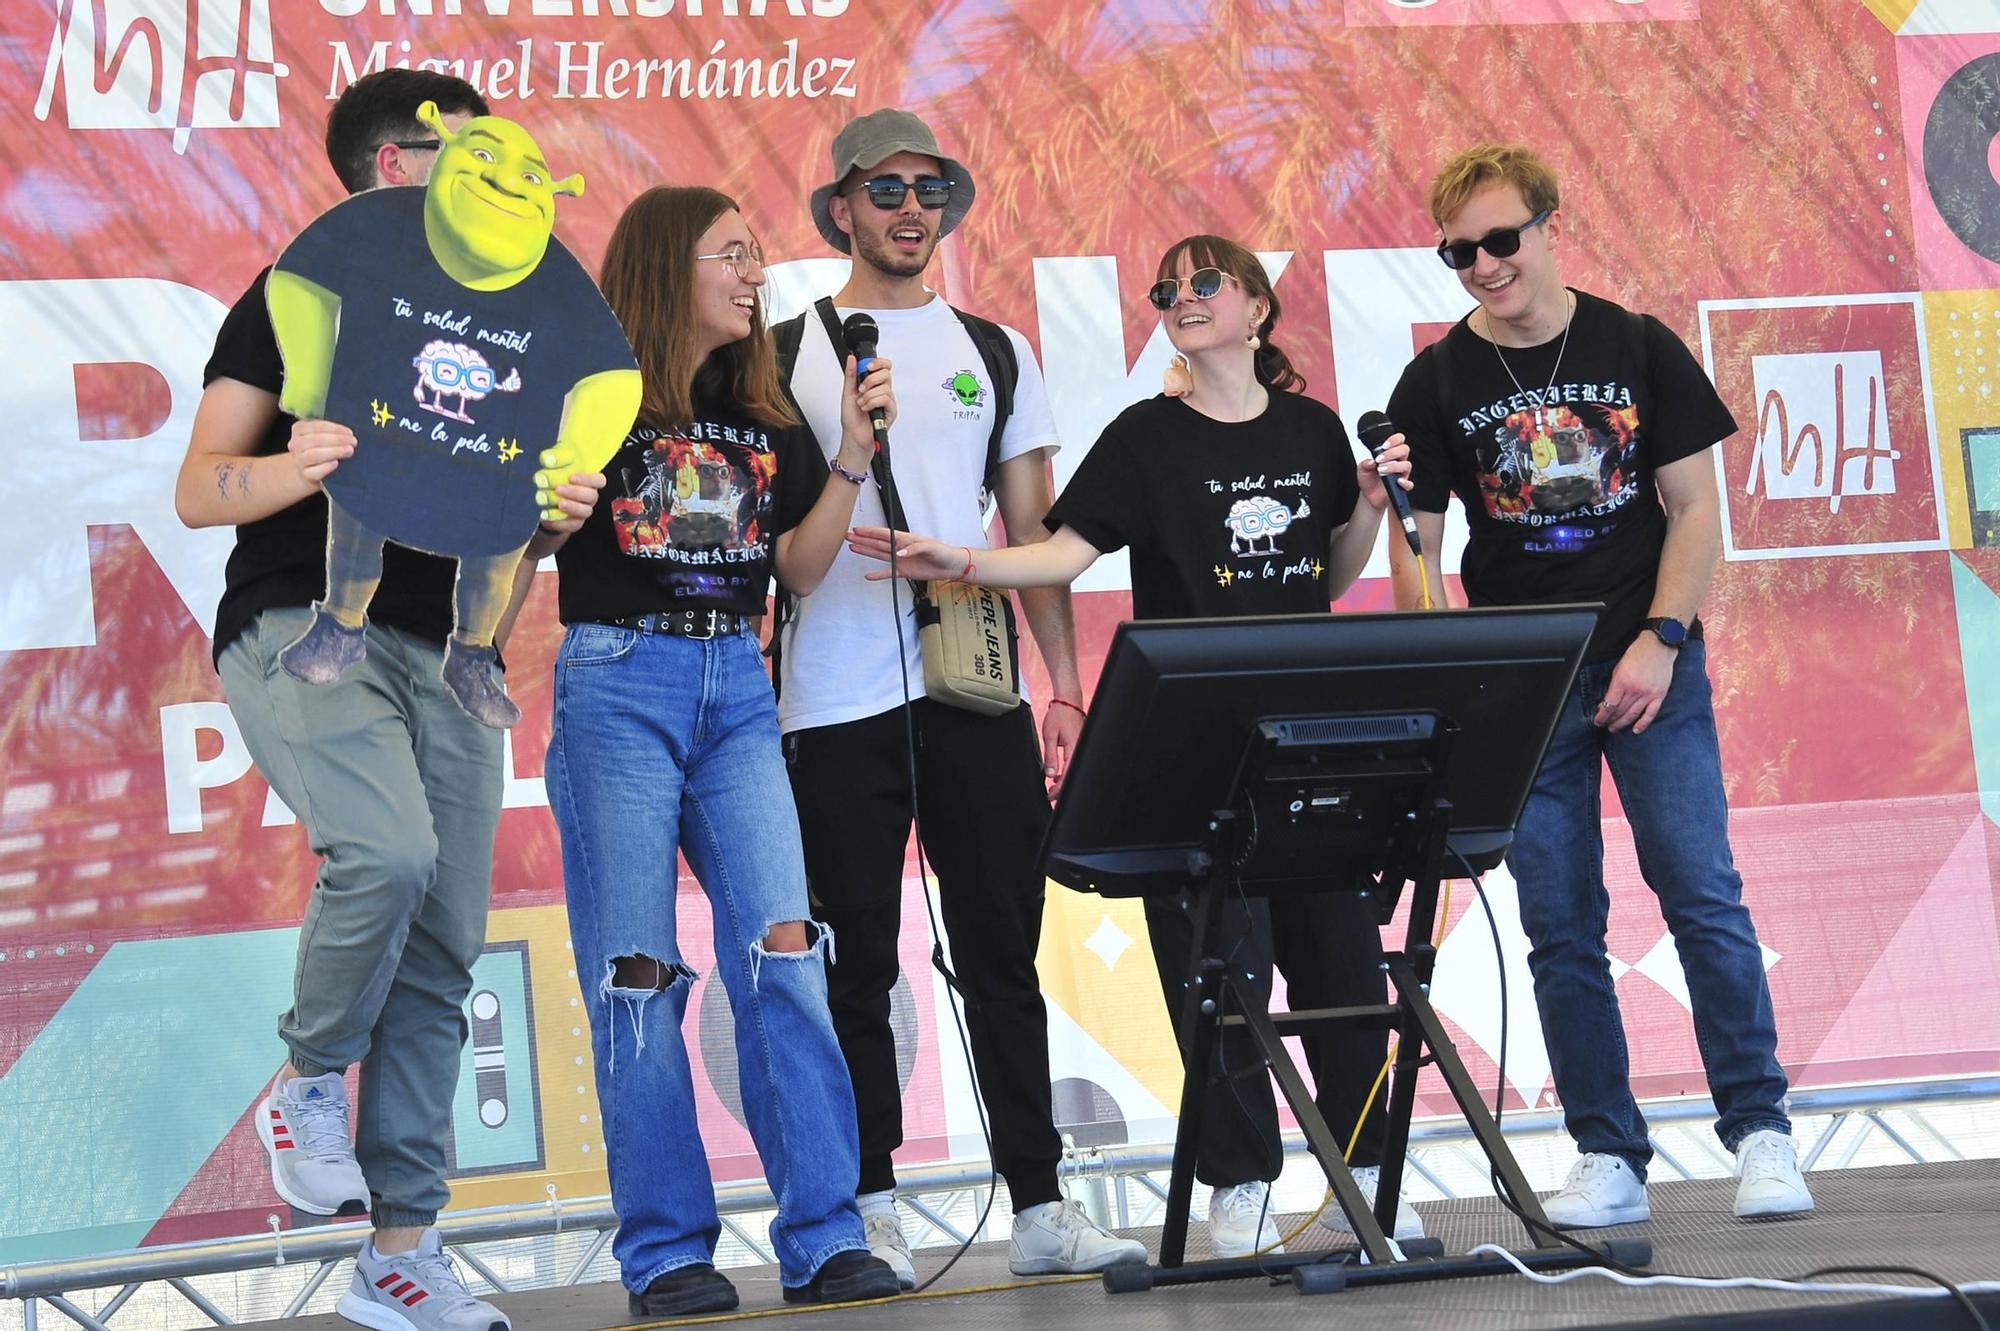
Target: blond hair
pixel 1473 169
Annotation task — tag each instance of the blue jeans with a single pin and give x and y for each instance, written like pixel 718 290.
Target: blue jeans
pixel 663 744
pixel 1670 782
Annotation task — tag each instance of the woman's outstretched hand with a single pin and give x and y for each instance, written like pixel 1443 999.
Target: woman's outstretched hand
pixel 917 557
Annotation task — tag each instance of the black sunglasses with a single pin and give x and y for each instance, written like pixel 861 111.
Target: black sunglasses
pixel 413 145
pixel 1202 282
pixel 888 192
pixel 1462 254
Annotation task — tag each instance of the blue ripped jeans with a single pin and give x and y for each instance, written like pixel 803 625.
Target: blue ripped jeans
pixel 1670 782
pixel 663 744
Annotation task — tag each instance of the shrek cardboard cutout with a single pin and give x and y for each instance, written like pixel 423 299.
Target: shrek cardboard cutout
pixel 478 366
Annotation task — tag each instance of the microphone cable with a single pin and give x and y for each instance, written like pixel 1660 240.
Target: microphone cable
pixel 954 995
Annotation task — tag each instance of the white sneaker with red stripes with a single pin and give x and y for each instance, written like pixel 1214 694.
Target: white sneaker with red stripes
pixel 303 1125
pixel 418 1290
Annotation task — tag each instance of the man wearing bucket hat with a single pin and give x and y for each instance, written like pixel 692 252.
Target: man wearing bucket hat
pixel 856 719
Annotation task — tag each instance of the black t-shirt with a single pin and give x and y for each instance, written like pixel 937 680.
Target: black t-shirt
pixel 1561 503
pixel 1223 517
pixel 281 560
pixel 448 390
pixel 689 517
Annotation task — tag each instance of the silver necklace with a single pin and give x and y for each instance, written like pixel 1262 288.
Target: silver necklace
pixel 1541 398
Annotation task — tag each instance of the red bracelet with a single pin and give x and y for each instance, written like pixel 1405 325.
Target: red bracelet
pixel 966 576
pixel 1064 702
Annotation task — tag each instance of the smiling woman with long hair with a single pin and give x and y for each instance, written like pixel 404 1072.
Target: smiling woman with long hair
pixel 1238 495
pixel 665 742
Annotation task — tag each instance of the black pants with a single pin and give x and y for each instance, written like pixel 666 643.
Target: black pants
pixel 983 809
pixel 1330 949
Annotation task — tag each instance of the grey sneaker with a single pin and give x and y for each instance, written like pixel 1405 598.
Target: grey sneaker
pixel 303 1125
pixel 419 1290
pixel 886 1241
pixel 325 650
pixel 473 676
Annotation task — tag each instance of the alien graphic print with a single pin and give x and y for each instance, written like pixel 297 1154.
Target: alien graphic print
pixel 452 392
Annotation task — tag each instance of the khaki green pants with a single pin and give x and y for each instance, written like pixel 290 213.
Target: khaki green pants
pixel 399 792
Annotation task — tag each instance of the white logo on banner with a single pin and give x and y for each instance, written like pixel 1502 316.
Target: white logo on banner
pixel 162 64
pixel 1822 427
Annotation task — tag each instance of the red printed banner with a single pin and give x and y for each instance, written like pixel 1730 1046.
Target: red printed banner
pixel 1796 190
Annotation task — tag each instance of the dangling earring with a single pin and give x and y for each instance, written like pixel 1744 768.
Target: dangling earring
pixel 1255 341
pixel 1178 381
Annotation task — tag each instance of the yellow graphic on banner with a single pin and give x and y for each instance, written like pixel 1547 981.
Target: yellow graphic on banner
pixel 1893 13
pixel 1097 965
pixel 571 1132
pixel 1964 349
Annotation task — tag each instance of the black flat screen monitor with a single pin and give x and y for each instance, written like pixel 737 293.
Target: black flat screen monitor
pixel 1179 701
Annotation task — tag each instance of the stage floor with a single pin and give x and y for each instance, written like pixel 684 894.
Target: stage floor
pixel 1943 1218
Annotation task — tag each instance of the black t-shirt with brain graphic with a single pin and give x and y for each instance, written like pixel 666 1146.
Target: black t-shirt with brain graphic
pixel 1223 517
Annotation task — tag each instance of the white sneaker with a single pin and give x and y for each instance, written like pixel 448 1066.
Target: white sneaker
pixel 1059 1238
pixel 303 1125
pixel 1409 1225
pixel 419 1290
pixel 1767 1162
pixel 1601 1190
pixel 1240 1221
pixel 883 1227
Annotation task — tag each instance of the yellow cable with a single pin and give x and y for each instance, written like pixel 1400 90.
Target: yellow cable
pixel 1424 582
pixel 1444 918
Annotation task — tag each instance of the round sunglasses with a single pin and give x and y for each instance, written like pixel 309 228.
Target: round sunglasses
pixel 1202 283
pixel 1501 244
pixel 888 192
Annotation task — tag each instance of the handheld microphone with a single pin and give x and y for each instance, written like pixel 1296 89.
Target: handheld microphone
pixel 861 335
pixel 1375 430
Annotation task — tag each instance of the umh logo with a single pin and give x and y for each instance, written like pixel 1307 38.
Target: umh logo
pixel 162 64
pixel 1836 451
pixel 1822 427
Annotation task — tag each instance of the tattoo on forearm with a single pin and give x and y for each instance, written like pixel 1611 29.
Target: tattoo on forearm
pixel 225 471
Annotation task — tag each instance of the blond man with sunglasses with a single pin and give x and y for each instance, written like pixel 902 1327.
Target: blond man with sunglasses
pixel 1579 435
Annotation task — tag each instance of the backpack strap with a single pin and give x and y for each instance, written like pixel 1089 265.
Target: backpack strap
pixel 789 336
pixel 1003 367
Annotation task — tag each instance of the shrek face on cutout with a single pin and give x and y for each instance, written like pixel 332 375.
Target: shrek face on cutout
pixel 490 203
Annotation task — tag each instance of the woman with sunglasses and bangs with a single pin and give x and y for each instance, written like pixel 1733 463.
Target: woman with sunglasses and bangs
pixel 1237 495
pixel 665 742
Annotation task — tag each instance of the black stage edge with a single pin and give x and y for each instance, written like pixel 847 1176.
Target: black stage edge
pixel 1942 1217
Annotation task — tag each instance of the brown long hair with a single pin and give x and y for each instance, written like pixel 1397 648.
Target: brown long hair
pixel 648 271
pixel 1274 370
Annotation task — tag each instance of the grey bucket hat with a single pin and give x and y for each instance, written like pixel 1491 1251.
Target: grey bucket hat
pixel 874 138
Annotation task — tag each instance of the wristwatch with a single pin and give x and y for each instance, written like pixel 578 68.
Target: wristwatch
pixel 1668 630
pixel 858 477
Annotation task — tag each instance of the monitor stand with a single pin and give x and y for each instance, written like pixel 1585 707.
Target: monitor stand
pixel 1216 1001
